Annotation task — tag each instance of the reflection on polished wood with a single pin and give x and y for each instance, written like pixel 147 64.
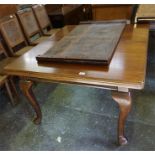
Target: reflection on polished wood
pixel 126 70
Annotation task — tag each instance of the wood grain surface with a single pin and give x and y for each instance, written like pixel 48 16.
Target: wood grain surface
pixel 127 68
pixel 111 12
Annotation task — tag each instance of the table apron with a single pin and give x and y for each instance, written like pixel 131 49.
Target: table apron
pixel 115 88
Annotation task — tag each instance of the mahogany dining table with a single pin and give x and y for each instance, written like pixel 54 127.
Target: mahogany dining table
pixel 125 72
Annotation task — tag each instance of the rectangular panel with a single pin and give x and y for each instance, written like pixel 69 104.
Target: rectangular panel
pixel 41 16
pixel 87 43
pixel 12 32
pixel 111 12
pixel 28 22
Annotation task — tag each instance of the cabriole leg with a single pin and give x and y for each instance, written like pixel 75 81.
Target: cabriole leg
pixel 26 87
pixel 124 101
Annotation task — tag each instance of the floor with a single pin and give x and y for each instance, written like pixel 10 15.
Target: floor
pixel 79 118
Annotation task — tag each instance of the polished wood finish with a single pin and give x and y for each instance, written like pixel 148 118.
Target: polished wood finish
pixel 111 11
pixel 30 26
pixel 26 87
pixel 126 71
pixel 124 101
pixel 127 68
pixel 7 9
pixel 145 13
pixel 4 62
pixel 7 80
pixel 13 35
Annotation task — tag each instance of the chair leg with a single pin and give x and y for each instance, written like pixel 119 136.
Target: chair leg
pixel 13 87
pixel 11 90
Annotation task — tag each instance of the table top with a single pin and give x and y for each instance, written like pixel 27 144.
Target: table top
pixel 126 70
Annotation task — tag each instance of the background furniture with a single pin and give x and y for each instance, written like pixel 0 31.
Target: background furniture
pixel 13 36
pixel 145 13
pixel 7 9
pixel 30 26
pixel 61 15
pixel 5 79
pixel 112 11
pixel 43 20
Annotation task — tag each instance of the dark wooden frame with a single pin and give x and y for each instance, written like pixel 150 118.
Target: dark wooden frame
pixel 7 81
pixel 23 20
pixel 10 41
pixel 39 10
pixel 106 61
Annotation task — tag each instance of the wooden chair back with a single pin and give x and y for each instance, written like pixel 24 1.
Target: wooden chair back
pixel 12 33
pixel 6 80
pixel 42 17
pixel 29 24
pixel 2 51
pixel 3 57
